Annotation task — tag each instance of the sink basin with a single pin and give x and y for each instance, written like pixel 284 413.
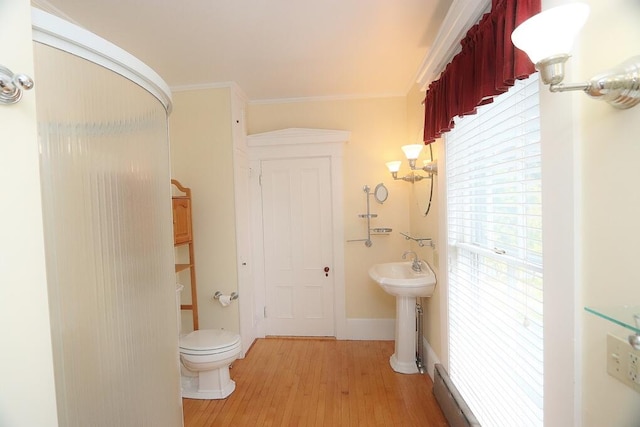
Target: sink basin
pixel 399 279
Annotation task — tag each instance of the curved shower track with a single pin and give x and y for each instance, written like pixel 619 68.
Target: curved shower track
pixel 60 34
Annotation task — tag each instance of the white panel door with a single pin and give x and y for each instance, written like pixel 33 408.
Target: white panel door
pixel 296 197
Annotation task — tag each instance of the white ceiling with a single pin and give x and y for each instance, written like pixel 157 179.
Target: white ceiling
pixel 273 49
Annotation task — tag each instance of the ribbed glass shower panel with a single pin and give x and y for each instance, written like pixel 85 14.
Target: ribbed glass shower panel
pixel 108 232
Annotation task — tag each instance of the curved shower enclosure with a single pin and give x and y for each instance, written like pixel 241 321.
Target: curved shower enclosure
pixel 105 178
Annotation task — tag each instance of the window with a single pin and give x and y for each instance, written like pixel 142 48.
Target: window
pixel 494 227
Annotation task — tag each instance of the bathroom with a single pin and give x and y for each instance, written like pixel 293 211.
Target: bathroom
pixel 595 249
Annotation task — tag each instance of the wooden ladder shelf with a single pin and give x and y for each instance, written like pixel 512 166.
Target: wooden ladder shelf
pixel 183 235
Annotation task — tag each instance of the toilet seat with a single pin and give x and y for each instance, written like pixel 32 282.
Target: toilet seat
pixel 209 342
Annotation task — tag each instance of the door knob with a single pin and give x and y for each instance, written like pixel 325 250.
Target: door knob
pixel 326 271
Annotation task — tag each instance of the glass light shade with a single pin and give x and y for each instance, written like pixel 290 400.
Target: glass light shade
pixel 551 32
pixel 412 151
pixel 394 166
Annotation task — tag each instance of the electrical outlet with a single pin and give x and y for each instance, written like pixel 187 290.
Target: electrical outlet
pixel 634 369
pixel 623 362
pixel 633 359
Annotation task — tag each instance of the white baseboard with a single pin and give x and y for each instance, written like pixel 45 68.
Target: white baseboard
pixel 430 355
pixel 371 329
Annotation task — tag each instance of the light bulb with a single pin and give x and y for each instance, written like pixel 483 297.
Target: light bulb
pixel 412 151
pixel 551 32
pixel 394 166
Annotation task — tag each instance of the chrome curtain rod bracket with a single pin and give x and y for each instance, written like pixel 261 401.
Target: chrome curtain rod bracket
pixel 12 85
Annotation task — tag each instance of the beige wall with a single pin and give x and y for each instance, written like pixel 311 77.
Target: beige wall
pixel 378 129
pixel 27 393
pixel 434 324
pixel 610 209
pixel 202 159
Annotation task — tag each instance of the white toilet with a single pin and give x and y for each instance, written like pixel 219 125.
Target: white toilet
pixel 205 356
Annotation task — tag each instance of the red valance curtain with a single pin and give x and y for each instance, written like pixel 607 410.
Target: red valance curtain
pixel 485 67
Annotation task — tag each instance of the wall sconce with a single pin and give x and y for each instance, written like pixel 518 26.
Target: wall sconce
pixel 548 37
pixel 412 152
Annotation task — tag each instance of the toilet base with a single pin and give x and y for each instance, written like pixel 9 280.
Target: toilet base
pixel 215 384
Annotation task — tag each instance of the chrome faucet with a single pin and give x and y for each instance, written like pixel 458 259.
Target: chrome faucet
pixel 415 264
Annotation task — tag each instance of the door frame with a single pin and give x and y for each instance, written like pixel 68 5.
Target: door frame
pixel 290 144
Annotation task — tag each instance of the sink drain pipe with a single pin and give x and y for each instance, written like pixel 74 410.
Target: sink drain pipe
pixel 419 346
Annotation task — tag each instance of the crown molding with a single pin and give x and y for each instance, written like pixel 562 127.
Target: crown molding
pixel 461 16
pixel 327 98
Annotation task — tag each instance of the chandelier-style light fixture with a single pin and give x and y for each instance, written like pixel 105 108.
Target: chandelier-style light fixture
pixel 412 152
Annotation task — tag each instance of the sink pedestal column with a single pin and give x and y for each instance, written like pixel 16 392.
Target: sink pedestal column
pixel 404 358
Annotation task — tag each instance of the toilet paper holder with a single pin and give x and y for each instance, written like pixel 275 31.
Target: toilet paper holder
pixel 233 296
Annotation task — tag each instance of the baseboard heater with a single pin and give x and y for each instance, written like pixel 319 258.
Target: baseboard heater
pixel 453 406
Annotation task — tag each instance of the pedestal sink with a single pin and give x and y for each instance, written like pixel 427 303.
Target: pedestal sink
pixel 400 280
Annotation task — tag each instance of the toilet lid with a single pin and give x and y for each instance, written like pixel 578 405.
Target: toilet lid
pixel 209 339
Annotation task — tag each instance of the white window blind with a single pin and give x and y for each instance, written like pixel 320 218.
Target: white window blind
pixel 494 227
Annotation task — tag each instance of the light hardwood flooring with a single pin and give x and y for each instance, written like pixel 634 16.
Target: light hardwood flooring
pixel 315 382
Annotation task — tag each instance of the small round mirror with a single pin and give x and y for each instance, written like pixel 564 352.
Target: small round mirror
pixel 381 193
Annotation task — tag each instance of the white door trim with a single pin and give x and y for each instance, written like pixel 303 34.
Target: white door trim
pixel 299 143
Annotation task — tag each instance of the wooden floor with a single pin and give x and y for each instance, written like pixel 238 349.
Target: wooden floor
pixel 314 382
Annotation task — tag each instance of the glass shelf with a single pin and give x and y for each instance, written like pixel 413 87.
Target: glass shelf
pixel 627 316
